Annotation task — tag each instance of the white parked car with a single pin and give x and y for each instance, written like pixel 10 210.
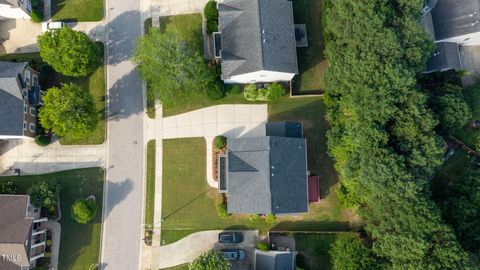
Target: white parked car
pixel 47 26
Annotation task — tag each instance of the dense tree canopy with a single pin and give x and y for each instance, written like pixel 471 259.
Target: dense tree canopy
pixel 382 132
pixel 349 253
pixel 68 110
pixel 173 70
pixel 461 209
pixel 210 260
pixel 69 52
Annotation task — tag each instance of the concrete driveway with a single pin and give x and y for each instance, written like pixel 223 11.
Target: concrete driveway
pixel 190 247
pixel 31 158
pixel 176 7
pixel 19 36
pixel 232 121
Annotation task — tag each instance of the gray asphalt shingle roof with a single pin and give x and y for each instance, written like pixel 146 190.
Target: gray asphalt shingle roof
pixel 453 18
pixel 15 229
pixel 445 56
pixel 11 101
pixel 267 175
pixel 257 35
pixel 274 260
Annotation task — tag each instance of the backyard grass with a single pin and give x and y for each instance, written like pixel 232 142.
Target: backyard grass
pixel 77 10
pixel 79 243
pixel 311 60
pixel 150 192
pixel 314 250
pixel 93 83
pixel 189 202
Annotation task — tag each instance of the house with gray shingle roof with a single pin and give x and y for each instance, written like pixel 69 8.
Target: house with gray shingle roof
pixel 274 260
pixel 22 233
pixel 268 175
pixel 257 41
pixel 451 24
pixel 20 95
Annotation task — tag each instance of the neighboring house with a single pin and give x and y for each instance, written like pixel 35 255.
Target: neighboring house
pixel 15 9
pixel 451 24
pixel 257 41
pixel 274 260
pixel 266 175
pixel 20 95
pixel 22 233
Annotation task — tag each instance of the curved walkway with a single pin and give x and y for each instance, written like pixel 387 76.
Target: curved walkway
pixel 190 247
pixel 232 121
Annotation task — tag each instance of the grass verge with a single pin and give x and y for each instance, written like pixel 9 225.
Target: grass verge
pixel 77 10
pixel 79 243
pixel 150 192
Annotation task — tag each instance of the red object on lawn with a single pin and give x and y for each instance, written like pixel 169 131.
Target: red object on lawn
pixel 313 189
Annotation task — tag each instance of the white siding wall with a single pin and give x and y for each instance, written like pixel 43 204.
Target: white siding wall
pixel 260 76
pixel 7 11
pixel 10 137
pixel 470 39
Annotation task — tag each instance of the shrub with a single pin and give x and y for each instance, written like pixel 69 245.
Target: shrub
pixel 36 16
pixel 43 140
pixel 215 91
pixel 262 246
pixel 8 188
pixel 48 242
pixel 84 210
pixel 270 218
pixel 210 260
pixel 250 92
pixel 47 254
pixel 253 218
pixel 272 92
pixel 222 210
pixel 211 15
pixel 219 142
pixel 44 194
pixel 210 11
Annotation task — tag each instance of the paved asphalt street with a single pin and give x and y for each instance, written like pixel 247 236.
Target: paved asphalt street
pixel 124 187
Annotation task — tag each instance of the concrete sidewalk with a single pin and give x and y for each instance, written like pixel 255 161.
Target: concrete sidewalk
pixel 31 158
pixel 232 121
pixel 177 7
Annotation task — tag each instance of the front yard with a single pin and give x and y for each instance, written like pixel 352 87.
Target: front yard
pixel 190 29
pixel 79 243
pixel 188 202
pixel 311 60
pixel 77 10
pixel 93 83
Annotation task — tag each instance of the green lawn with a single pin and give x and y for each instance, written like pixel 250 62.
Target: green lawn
pixel 93 83
pixel 311 60
pixel 314 250
pixel 189 203
pixel 77 10
pixel 150 192
pixel 178 267
pixel 79 244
